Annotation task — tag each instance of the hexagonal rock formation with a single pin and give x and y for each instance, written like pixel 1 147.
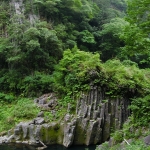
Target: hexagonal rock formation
pixel 95 116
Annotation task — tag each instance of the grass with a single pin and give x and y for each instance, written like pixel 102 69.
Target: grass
pixel 14 110
pixel 22 109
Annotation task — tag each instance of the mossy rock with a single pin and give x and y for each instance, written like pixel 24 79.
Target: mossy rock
pixel 50 134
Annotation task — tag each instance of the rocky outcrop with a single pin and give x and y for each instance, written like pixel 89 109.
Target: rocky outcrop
pixel 96 115
pixel 47 102
pixel 18 8
pixel 147 140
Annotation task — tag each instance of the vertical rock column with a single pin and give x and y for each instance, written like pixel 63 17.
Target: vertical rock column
pixel 69 129
pixel 97 115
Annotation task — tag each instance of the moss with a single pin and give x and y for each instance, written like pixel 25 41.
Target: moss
pixel 43 134
pixel 106 131
pixel 51 134
pixel 80 135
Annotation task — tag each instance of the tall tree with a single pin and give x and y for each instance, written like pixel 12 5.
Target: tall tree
pixel 136 33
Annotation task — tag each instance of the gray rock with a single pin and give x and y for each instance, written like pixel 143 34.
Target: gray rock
pixel 40 114
pixel 67 117
pixel 25 142
pixel 52 103
pixel 39 120
pixel 31 134
pixel 18 129
pixel 11 139
pixel 147 140
pixel 43 101
pixel 69 130
pixel 25 130
pixel 10 132
pixel 103 146
pixel 37 133
pixel 3 139
pixel 111 142
pixel 31 122
pixel 36 100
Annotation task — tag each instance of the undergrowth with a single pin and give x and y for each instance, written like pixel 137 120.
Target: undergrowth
pixel 135 145
pixel 13 112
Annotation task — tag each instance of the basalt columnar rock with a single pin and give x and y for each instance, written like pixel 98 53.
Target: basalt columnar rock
pixel 96 115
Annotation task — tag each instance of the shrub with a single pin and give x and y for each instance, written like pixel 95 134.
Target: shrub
pixel 36 84
pixel 25 108
pixel 7 98
pixel 140 109
pixel 19 110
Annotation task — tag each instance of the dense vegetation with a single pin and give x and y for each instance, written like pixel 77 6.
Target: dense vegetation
pixel 30 48
pixel 62 46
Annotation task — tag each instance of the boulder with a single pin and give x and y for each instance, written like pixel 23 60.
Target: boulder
pixel 39 120
pixel 40 114
pixel 147 140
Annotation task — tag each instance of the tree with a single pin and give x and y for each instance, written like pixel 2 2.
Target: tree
pixel 136 33
pixel 72 74
pixel 4 18
pixel 110 38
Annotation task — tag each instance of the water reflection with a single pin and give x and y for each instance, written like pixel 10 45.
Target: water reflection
pixel 53 147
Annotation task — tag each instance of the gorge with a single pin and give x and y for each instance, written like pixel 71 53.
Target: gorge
pixel 74 73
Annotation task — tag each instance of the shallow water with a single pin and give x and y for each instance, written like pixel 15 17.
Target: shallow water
pixel 52 147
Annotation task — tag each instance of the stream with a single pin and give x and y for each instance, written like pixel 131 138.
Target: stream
pixel 51 147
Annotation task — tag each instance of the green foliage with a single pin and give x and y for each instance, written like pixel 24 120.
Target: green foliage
pixel 7 98
pixel 136 33
pixel 87 37
pixel 110 38
pixel 72 72
pixel 36 84
pixel 77 69
pixel 20 109
pixel 35 39
pixel 32 85
pixel 25 109
pixel 135 40
pixel 24 52
pixel 9 81
pixel 48 116
pixel 129 78
pixel 135 145
pixel 37 48
pixel 110 9
pixel 140 109
pixel 4 17
pixel 117 136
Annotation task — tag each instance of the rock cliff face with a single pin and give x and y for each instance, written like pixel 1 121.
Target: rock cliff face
pixel 95 117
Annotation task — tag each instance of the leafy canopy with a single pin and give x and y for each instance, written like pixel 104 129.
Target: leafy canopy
pixel 136 33
pixel 72 72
